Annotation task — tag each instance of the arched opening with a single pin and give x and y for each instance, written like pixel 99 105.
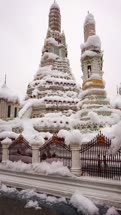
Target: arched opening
pixel 89 71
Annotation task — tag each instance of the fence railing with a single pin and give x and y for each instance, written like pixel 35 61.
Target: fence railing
pixel 96 159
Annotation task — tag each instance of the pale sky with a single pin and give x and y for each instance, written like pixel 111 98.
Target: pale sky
pixel 23 27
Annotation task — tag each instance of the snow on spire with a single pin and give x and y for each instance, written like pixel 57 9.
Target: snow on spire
pixel 55 5
pixel 55 17
pixel 89 26
pixel 89 19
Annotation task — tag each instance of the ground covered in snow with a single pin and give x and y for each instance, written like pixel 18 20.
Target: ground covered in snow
pixel 55 168
pixel 28 202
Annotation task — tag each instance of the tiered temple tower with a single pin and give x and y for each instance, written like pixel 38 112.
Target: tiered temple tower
pixel 53 89
pixel 94 95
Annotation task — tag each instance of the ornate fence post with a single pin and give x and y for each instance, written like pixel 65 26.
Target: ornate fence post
pixel 35 153
pixel 76 163
pixel 5 151
pixel 36 143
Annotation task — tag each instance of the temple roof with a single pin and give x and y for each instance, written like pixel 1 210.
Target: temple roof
pixel 7 94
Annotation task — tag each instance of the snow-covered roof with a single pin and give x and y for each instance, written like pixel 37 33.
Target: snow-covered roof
pixel 52 41
pixel 49 55
pixel 89 19
pixel 55 5
pixel 88 53
pixel 7 94
pixel 93 40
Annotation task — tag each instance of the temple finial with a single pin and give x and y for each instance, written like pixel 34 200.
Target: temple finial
pixel 55 17
pixel 5 79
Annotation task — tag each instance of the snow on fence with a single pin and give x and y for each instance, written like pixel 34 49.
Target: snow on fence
pixel 96 159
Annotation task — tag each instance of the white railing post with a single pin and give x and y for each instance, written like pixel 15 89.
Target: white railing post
pixel 36 143
pixel 35 153
pixel 76 162
pixel 5 149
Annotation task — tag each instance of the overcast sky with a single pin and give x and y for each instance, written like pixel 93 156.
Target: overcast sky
pixel 23 27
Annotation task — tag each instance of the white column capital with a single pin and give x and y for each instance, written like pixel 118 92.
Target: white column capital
pixel 6 143
pixel 35 146
pixel 75 146
pixel 5 149
pixel 35 152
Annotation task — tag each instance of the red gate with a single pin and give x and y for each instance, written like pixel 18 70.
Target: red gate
pixel 96 160
pixel 55 149
pixel 20 150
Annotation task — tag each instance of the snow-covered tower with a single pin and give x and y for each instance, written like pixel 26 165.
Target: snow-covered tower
pixel 55 42
pixel 55 18
pixel 53 89
pixel 94 94
pixel 9 103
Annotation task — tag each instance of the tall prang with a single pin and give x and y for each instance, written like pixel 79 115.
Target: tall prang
pixel 53 89
pixel 94 100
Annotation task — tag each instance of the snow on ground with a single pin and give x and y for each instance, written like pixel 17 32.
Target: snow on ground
pixel 32 204
pixel 55 168
pixel 112 211
pixel 6 189
pixel 83 204
pixel 28 194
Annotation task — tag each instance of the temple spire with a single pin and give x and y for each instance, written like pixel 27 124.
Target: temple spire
pixel 5 79
pixel 4 84
pixel 55 17
pixel 89 26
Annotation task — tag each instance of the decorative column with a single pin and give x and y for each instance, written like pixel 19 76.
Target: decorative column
pixel 35 153
pixel 76 162
pixel 5 149
pixel 36 143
